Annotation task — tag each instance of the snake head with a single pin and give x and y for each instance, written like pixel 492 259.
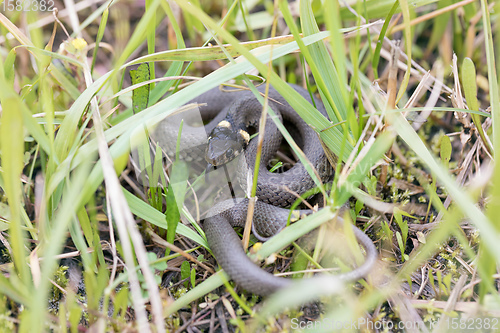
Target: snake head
pixel 224 145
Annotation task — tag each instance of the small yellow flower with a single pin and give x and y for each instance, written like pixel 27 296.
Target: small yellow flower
pixel 256 247
pixel 79 44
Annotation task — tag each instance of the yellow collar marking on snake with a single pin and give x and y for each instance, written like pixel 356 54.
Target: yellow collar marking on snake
pixel 245 135
pixel 224 123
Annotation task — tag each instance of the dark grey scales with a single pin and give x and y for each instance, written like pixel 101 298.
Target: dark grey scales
pixel 233 112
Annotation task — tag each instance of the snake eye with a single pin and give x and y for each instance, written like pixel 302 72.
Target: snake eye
pixel 230 152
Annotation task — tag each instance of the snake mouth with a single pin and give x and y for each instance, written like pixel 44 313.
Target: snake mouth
pixel 223 146
pixel 220 152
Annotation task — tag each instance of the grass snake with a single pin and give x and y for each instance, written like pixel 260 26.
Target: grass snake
pixel 232 113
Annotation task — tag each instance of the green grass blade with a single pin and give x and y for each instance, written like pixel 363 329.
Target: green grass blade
pixel 151 37
pixel 176 68
pixel 380 8
pixel 12 145
pixel 175 197
pixel 148 213
pixel 470 92
pixel 93 17
pixel 54 242
pixel 408 43
pixel 383 31
pixel 493 211
pixel 100 34
pixel 331 87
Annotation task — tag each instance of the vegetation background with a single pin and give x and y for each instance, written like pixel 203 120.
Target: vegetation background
pixel 412 92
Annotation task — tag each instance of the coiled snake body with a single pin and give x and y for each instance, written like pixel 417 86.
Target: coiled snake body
pixel 233 112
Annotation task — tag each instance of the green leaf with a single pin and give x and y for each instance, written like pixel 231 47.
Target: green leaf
pixel 185 272
pixel 447 282
pixel 469 83
pixel 470 92
pixel 8 67
pixel 160 265
pixel 431 278
pixel 358 207
pixel 193 277
pixel 401 245
pixel 398 215
pixel 175 197
pixel 151 256
pixel 387 231
pixel 120 303
pixel 445 150
pixel 140 95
